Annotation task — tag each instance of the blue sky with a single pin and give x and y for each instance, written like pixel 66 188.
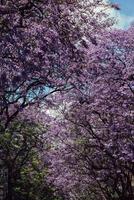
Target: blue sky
pixel 126 15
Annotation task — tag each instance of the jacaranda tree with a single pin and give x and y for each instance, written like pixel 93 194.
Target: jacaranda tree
pixel 94 152
pixel 46 47
pixel 40 48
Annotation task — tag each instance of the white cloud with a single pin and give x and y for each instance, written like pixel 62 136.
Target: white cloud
pixel 124 21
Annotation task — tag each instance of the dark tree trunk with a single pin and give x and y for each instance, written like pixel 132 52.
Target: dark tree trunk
pixel 10 185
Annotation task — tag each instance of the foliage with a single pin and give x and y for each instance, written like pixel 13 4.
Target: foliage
pixel 42 44
pixel 95 133
pixel 64 54
pixel 21 146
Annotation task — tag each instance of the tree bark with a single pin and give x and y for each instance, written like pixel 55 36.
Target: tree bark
pixel 10 185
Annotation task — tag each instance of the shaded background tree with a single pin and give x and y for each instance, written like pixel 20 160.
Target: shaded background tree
pixel 22 144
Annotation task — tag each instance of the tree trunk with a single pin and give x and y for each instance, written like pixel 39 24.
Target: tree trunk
pixel 10 185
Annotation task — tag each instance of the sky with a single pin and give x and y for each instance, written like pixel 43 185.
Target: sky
pixel 126 14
